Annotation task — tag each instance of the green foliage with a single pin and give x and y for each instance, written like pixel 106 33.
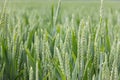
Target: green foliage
pixel 64 41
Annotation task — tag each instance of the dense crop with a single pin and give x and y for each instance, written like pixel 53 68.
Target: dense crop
pixel 60 43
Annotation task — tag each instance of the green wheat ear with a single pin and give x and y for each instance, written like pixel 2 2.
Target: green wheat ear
pixel 31 73
pixel 37 71
pixel 3 12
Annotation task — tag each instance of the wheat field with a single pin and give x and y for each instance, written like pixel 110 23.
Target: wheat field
pixel 59 40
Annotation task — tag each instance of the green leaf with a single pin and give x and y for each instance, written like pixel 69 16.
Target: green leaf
pixel 88 65
pixel 108 45
pixel 29 55
pixel 59 70
pixel 2 71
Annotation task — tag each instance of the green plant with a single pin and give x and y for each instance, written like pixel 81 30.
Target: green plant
pixel 60 43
